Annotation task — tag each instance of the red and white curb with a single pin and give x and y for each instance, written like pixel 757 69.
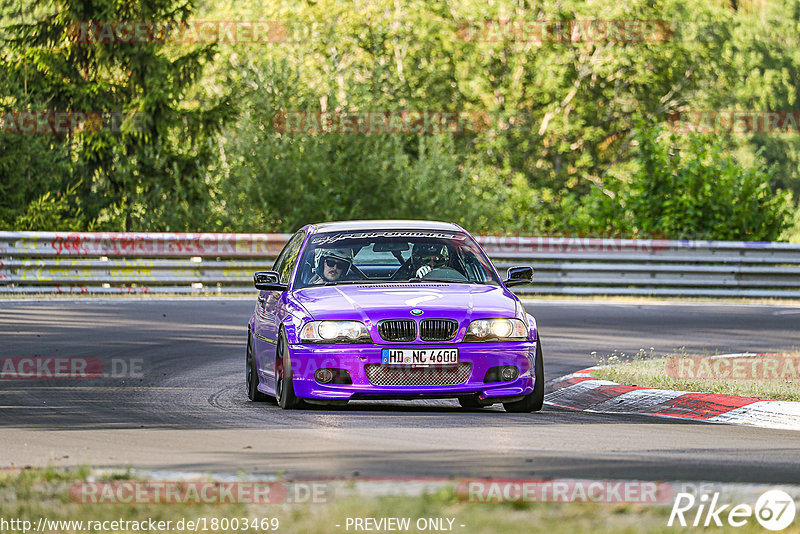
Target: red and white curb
pixel 581 391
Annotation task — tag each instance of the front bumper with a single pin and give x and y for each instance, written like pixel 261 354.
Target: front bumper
pixel 306 359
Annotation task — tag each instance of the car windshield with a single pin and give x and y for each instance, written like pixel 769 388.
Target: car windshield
pixel 393 256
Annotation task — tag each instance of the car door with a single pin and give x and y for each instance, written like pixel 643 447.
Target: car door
pixel 271 308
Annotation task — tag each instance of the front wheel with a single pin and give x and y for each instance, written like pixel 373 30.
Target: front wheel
pixel 251 374
pixel 284 388
pixel 534 401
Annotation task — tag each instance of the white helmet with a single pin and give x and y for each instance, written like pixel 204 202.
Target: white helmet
pixel 342 254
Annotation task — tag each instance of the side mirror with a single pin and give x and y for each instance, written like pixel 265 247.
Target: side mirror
pixel 518 276
pixel 268 281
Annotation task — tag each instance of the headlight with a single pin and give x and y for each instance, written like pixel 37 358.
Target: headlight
pixel 335 332
pixel 496 330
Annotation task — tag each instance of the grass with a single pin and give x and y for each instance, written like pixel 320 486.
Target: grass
pixel 650 370
pixel 30 494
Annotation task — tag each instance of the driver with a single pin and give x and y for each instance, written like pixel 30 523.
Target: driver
pixel 426 257
pixel 332 265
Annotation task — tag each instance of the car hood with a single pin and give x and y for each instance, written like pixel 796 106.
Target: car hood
pixel 376 302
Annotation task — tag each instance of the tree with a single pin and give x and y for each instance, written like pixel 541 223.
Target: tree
pixel 151 172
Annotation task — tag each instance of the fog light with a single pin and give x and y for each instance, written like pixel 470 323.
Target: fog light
pixel 509 373
pixel 324 376
pixel 502 373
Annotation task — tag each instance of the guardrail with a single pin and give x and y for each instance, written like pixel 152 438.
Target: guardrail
pixel 53 262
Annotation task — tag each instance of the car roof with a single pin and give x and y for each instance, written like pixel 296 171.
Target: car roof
pixel 388 224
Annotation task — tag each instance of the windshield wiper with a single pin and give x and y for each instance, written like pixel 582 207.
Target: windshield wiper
pixel 440 280
pixel 448 280
pixel 411 280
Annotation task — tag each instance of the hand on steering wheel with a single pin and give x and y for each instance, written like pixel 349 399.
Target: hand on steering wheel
pixel 422 271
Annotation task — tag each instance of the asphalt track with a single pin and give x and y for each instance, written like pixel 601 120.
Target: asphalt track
pixel 189 412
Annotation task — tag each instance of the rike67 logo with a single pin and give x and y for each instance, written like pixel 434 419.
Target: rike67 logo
pixel 774 510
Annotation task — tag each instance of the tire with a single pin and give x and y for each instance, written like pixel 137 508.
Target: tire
pixel 251 374
pixel 534 401
pixel 470 402
pixel 284 388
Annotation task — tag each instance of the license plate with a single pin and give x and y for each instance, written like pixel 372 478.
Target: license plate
pixel 419 357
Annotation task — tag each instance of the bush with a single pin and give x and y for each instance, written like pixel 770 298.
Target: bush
pixel 50 213
pixel 688 189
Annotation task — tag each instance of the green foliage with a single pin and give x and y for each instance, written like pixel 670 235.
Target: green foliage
pixel 52 213
pixel 151 174
pixel 562 153
pixel 281 181
pixel 792 233
pixel 688 189
pixel 30 168
pixel 762 60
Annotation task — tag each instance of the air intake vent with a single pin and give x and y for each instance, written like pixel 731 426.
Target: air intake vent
pixel 384 375
pixel 398 330
pixel 437 329
pixel 402 286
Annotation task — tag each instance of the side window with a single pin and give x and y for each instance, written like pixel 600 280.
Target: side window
pixel 288 257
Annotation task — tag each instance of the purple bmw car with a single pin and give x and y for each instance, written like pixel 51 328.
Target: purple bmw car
pixel 391 310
